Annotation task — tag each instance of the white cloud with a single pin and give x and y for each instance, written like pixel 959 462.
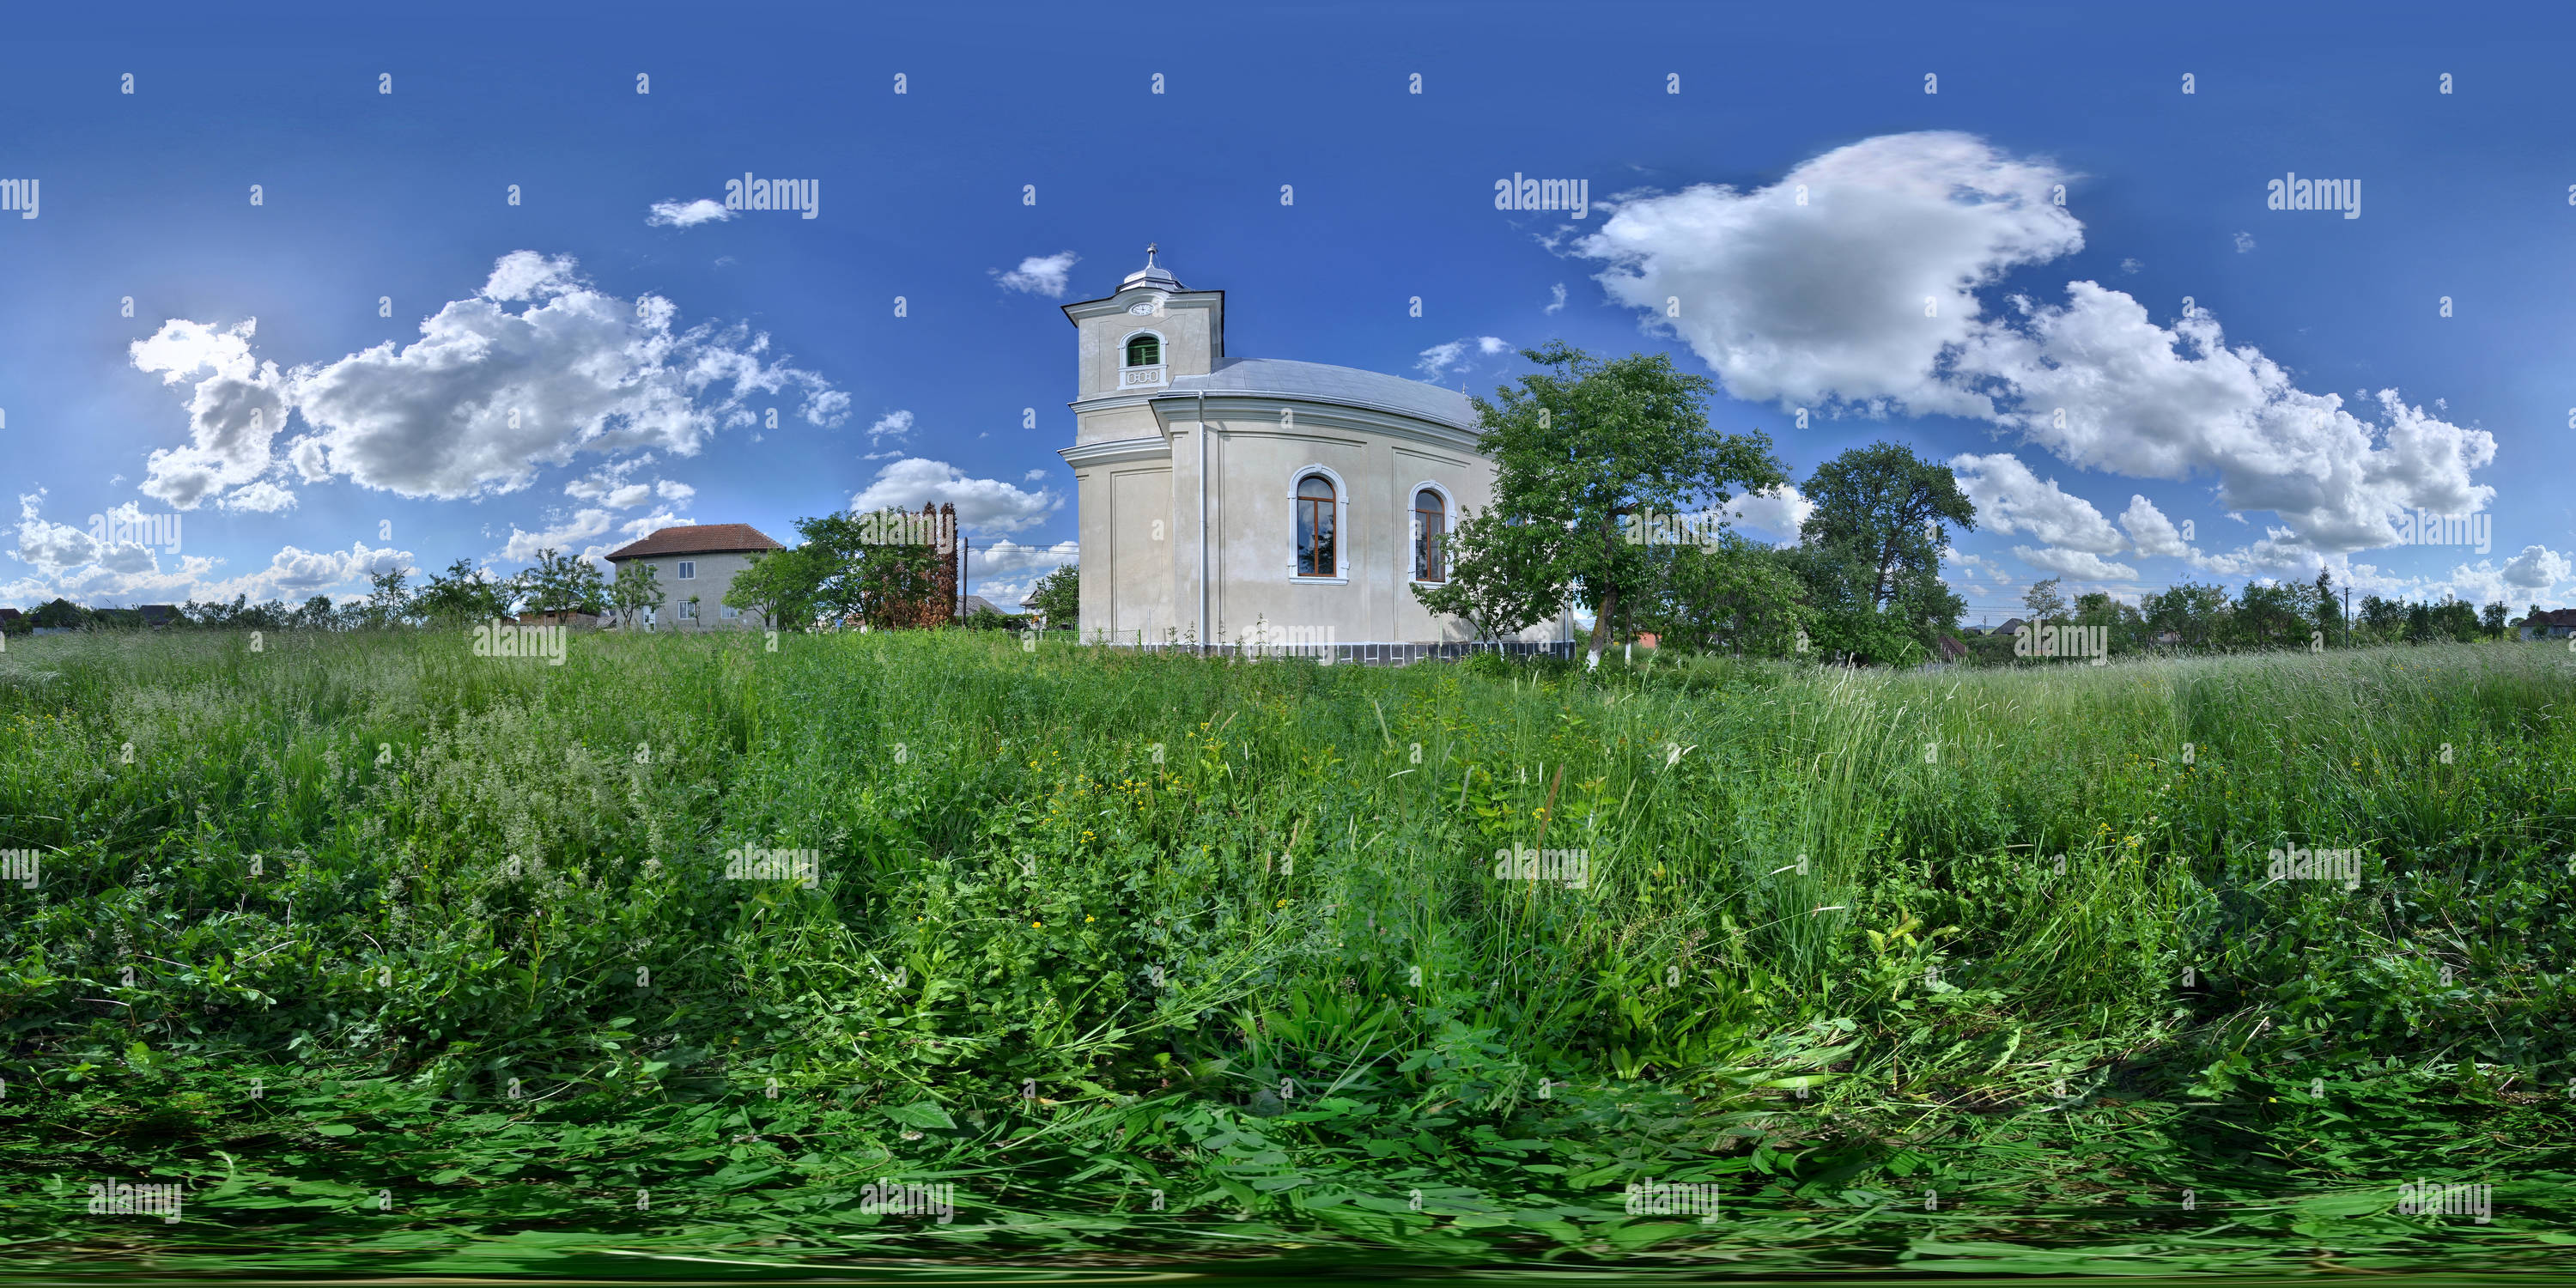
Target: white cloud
pixel 893 424
pixel 2536 568
pixel 1439 358
pixel 1556 304
pixel 2011 499
pixel 2151 532
pixel 2130 265
pixel 2244 243
pixel 1008 558
pixel 2080 565
pixel 1823 305
pixel 1039 274
pixel 687 214
pixel 1782 511
pixel 50 546
pixel 261 497
pixel 981 503
pixel 234 411
pixel 489 395
pixel 578 534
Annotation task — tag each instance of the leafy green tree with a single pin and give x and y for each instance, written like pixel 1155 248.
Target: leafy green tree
pixel 1057 597
pixel 2270 616
pixel 558 583
pixel 1576 452
pixel 2325 608
pixel 1498 578
pixel 389 599
pixel 462 594
pixel 780 585
pixel 2491 619
pixel 1737 596
pixel 1870 552
pixel 317 614
pixel 2044 601
pixel 60 612
pixel 860 577
pixel 637 590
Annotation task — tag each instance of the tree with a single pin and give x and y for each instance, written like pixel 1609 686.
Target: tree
pixel 1870 552
pixel 462 594
pixel 780 586
pixel 316 615
pixel 2327 610
pixel 1576 451
pixel 2195 614
pixel 1737 596
pixel 1498 579
pixel 558 584
pixel 60 612
pixel 388 599
pixel 2043 601
pixel 2492 619
pixel 858 575
pixel 638 588
pixel 1057 597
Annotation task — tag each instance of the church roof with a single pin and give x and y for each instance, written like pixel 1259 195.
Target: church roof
pixel 1318 382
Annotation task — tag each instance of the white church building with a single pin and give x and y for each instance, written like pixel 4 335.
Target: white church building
pixel 1222 498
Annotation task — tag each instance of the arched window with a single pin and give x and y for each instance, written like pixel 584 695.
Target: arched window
pixel 1430 527
pixel 1315 527
pixel 1144 350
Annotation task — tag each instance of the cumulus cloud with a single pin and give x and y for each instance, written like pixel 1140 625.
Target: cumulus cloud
pixel 2011 499
pixel 2079 565
pixel 487 395
pixel 2536 568
pixel 687 214
pixel 1039 274
pixel 1006 558
pixel 236 406
pixel 1439 358
pixel 1783 510
pixel 261 497
pixel 981 503
pixel 2151 532
pixel 50 546
pixel 1865 299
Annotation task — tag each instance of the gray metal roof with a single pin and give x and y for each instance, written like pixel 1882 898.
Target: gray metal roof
pixel 1317 382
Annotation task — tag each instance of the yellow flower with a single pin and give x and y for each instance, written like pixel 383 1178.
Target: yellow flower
pixel 1037 925
pixel 1088 919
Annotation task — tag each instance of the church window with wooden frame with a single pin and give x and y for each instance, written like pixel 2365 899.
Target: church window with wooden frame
pixel 1315 527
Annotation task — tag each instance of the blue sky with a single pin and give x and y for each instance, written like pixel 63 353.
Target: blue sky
pixel 2259 419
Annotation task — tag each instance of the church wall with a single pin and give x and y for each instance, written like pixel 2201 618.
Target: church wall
pixel 1141 508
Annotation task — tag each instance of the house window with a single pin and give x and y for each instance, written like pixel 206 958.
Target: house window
pixel 1430 525
pixel 688 569
pixel 689 610
pixel 1315 527
pixel 731 612
pixel 1144 350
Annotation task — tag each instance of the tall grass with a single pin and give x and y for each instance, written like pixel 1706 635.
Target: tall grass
pixel 1053 882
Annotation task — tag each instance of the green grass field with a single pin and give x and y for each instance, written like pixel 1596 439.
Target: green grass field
pixel 403 960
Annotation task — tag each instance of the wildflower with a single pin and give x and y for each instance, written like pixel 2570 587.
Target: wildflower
pixel 1037 925
pixel 1088 920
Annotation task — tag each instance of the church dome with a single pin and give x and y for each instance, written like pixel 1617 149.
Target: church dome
pixel 1152 275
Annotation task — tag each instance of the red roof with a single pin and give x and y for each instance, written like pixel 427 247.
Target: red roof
pixel 698 539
